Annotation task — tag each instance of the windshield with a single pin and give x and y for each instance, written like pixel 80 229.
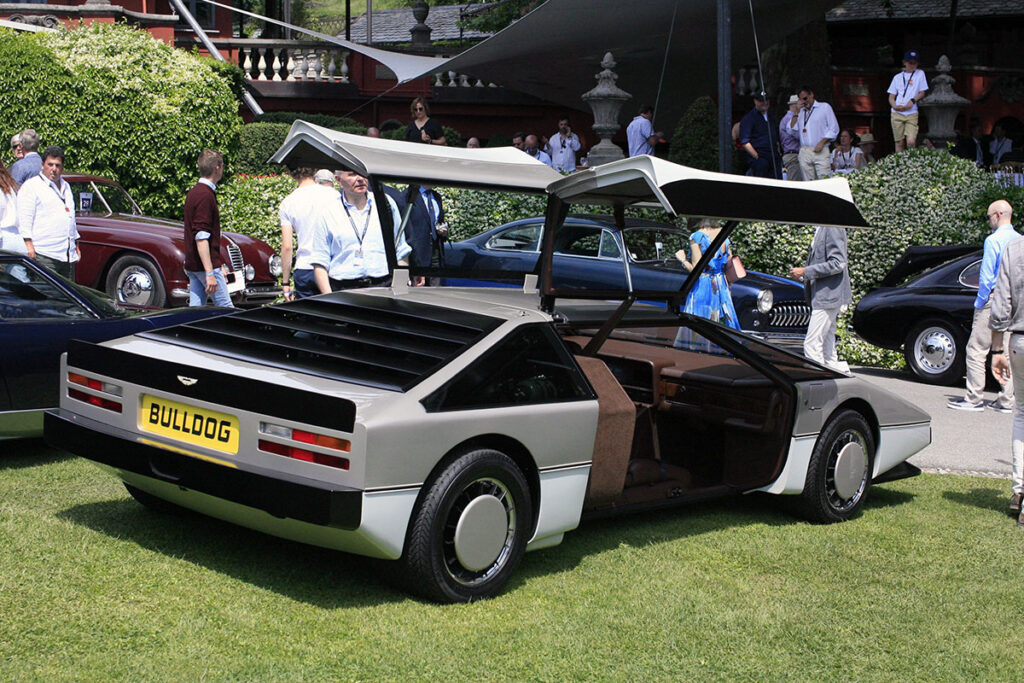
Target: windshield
pixel 99 198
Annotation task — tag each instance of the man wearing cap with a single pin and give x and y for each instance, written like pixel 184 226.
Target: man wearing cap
pixel 760 140
pixel 905 91
pixel 790 139
pixel 818 126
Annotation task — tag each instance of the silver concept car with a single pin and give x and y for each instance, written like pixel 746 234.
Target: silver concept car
pixel 452 429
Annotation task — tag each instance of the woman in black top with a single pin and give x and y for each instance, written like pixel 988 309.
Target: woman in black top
pixel 422 128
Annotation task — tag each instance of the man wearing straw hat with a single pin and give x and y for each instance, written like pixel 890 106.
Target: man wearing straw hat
pixel 790 139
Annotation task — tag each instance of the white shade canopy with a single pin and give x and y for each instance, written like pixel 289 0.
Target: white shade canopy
pixel 500 168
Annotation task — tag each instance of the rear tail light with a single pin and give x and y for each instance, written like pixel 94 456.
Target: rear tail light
pixel 95 385
pixel 298 453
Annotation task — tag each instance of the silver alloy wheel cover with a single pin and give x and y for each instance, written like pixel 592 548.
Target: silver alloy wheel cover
pixel 134 286
pixel 497 491
pixel 851 464
pixel 934 350
pixel 480 533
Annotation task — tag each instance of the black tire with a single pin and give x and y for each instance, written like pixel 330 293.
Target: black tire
pixel 934 350
pixel 136 280
pixel 154 503
pixel 481 496
pixel 839 472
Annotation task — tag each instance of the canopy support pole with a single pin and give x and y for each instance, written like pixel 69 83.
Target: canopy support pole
pixel 724 25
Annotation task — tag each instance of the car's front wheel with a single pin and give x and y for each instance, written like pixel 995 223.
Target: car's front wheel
pixel 839 472
pixel 136 280
pixel 470 529
pixel 934 352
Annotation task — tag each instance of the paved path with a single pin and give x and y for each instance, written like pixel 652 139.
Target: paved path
pixel 962 442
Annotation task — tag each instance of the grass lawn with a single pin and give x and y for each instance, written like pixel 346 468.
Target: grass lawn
pixel 925 585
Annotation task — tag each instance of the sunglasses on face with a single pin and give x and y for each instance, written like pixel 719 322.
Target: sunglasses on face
pixel 420 108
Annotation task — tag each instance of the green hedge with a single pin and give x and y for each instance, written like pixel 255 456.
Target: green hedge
pixel 121 104
pixel 256 143
pixel 249 203
pixel 345 125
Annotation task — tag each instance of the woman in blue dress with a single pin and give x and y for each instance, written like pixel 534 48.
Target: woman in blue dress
pixel 710 297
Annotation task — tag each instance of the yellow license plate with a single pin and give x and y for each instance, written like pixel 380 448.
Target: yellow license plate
pixel 182 422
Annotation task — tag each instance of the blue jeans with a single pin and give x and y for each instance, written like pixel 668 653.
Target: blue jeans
pixel 305 283
pixel 197 289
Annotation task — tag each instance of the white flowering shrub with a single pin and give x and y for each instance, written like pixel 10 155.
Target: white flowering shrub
pixel 122 105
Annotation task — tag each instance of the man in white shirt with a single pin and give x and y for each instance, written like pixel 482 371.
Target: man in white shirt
pixel 908 87
pixel 299 214
pixel 46 216
pixel 562 147
pixel 818 126
pixel 348 243
pixel 640 133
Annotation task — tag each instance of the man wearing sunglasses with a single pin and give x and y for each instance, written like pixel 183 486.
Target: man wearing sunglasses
pixel 562 147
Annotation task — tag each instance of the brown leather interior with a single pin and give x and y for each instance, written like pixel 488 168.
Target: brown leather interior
pixel 696 421
pixel 614 441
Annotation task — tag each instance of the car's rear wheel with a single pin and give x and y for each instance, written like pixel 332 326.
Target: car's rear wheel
pixel 934 352
pixel 839 472
pixel 136 280
pixel 470 529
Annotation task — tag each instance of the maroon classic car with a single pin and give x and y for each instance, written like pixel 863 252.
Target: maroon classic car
pixel 139 259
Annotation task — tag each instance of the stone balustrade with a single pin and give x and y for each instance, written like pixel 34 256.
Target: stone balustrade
pixel 451 79
pixel 288 60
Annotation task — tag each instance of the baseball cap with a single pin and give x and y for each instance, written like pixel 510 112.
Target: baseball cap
pixel 761 96
pixel 912 56
pixel 324 176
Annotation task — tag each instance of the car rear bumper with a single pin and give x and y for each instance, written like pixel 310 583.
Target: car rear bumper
pixel 278 494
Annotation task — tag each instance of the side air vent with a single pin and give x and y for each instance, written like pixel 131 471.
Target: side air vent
pixel 369 340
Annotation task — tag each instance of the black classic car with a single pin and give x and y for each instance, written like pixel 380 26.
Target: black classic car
pixel 40 313
pixel 927 314
pixel 589 255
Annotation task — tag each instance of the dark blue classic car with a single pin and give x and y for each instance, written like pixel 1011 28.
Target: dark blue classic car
pixel 927 314
pixel 40 312
pixel 589 255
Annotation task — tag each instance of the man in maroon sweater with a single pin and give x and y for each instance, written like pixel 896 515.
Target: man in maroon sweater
pixel 203 262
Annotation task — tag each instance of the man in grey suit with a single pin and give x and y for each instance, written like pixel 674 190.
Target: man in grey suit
pixel 826 279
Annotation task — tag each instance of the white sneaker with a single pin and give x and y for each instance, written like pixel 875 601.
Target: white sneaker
pixel 964 404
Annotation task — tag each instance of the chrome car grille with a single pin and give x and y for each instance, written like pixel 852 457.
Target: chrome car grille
pixel 235 257
pixel 789 314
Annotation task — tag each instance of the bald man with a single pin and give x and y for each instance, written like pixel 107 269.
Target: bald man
pixel 1008 361
pixel 1000 216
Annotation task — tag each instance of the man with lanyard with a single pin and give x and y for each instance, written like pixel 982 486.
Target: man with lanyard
pixel 348 243
pixel 790 138
pixel 818 127
pixel 905 91
pixel 562 147
pixel 1000 215
pixel 758 136
pixel 46 216
pixel 425 229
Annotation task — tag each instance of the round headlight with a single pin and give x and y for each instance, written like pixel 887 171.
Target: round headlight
pixel 765 299
pixel 250 272
pixel 275 265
